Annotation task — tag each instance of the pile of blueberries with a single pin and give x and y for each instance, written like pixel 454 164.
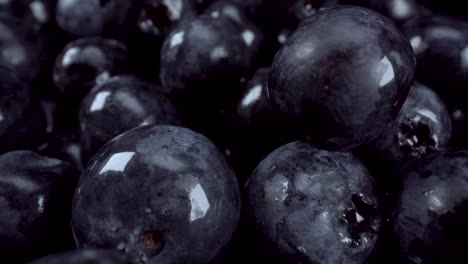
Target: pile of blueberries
pixel 233 131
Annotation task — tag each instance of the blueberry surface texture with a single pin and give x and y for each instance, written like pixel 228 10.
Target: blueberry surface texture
pixel 423 124
pixel 35 205
pixel 161 194
pixel 133 101
pixel 22 120
pixel 343 76
pixel 433 209
pixel 313 206
pixel 85 256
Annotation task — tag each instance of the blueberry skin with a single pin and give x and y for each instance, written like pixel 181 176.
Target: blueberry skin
pixel 35 202
pixel 35 13
pixel 433 209
pixel 173 197
pixel 158 17
pixel 85 256
pixel 86 62
pixel 22 120
pixel 22 49
pixel 135 102
pixel 441 41
pixel 251 34
pixel 343 76
pixel 201 59
pixel 400 11
pixel 84 18
pixel 314 206
pixel 423 123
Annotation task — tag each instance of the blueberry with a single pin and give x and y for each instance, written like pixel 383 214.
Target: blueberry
pixel 157 17
pixel 433 210
pixel 203 65
pixel 35 201
pixel 83 64
pixel 84 256
pixel 161 194
pixel 86 62
pixel 21 48
pixel 22 120
pixel 314 206
pixel 400 11
pixel 423 123
pixel 35 13
pixel 135 102
pixel 251 34
pixel 204 56
pixel 85 18
pixel 343 76
pixel 441 46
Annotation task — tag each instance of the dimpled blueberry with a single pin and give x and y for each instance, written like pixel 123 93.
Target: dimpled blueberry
pixel 433 211
pixel 22 120
pixel 314 206
pixel 343 76
pixel 423 123
pixel 91 17
pixel 161 194
pixel 85 256
pixel 133 101
pixel 35 205
pixel 86 62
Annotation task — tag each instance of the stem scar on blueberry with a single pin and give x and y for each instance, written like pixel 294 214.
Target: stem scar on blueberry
pixel 360 218
pixel 415 136
pixel 152 242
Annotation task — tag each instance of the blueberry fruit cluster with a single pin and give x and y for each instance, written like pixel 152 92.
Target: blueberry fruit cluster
pixel 233 131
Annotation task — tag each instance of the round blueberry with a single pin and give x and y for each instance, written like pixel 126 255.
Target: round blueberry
pixel 161 194
pixel 433 210
pixel 313 206
pixel 133 101
pixel 423 123
pixel 35 205
pixel 343 76
pixel 91 17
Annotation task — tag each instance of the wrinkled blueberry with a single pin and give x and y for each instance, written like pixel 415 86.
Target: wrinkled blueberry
pixel 161 194
pixel 314 206
pixel 84 256
pixel 35 205
pixel 433 211
pixel 342 76
pixel 22 120
pixel 92 17
pixel 133 101
pixel 423 123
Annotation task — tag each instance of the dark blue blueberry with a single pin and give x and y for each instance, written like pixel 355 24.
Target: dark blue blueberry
pixel 84 256
pixel 85 18
pixel 251 34
pixel 313 206
pixel 133 101
pixel 35 13
pixel 83 64
pixel 342 76
pixel 22 120
pixel 35 205
pixel 423 123
pixel 400 11
pixel 161 194
pixel 433 211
